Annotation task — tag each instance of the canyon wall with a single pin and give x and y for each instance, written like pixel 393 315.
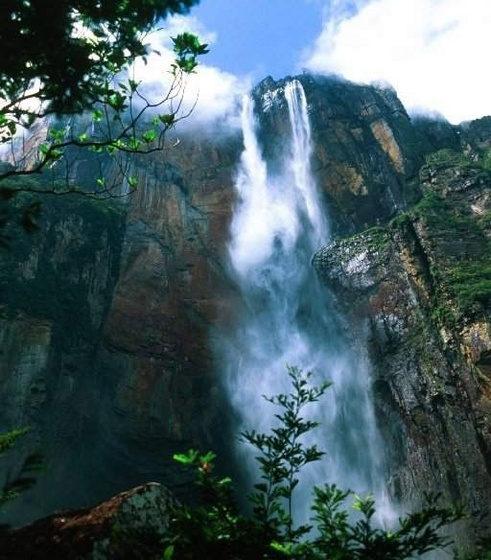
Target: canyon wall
pixel 112 310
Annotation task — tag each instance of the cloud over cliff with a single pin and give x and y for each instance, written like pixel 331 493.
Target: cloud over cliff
pixel 434 52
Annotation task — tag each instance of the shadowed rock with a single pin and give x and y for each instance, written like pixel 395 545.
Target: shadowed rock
pixel 130 525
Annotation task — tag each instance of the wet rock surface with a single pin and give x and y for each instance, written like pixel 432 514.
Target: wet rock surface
pixel 419 288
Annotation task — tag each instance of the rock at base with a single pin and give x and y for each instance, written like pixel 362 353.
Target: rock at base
pixel 129 525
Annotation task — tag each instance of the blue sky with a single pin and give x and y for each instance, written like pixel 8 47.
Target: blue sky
pixel 260 36
pixel 435 53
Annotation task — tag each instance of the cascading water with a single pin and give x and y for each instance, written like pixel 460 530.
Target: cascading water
pixel 287 317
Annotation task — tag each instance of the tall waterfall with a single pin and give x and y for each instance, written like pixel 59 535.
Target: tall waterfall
pixel 287 316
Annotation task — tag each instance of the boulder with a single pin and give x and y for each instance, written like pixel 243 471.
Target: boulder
pixel 128 526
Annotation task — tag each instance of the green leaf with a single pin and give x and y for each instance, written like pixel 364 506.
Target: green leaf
pixel 149 135
pixel 188 47
pixel 134 143
pixel 117 101
pixel 186 458
pixel 225 481
pixel 97 115
pixel 55 154
pixel 168 552
pixel 208 457
pixel 285 549
pixel 133 85
pixel 167 119
pixel 7 440
pixel 57 134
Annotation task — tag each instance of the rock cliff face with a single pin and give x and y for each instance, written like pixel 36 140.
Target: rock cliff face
pixel 420 287
pixel 366 152
pixel 112 311
pixel 108 327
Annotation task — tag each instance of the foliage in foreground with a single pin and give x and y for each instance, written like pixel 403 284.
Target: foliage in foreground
pixel 77 58
pixel 216 529
pixel 24 478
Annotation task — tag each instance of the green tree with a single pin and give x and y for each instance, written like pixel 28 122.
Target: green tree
pixel 282 455
pixel 66 58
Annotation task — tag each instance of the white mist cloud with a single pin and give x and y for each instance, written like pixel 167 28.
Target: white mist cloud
pixel 214 93
pixel 434 52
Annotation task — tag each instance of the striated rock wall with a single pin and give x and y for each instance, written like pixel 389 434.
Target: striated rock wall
pixel 157 377
pixel 366 153
pixel 420 287
pixel 56 287
pixel 110 312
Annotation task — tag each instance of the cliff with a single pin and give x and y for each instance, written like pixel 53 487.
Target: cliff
pixel 107 329
pixel 112 310
pixel 420 288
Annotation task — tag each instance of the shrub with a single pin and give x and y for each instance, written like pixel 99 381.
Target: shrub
pixel 216 528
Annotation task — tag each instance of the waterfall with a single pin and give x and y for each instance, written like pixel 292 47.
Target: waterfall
pixel 288 317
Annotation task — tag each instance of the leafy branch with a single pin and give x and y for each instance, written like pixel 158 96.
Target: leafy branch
pixel 282 454
pixel 118 124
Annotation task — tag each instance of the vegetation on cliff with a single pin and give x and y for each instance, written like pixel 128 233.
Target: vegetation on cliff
pixel 457 228
pixel 453 225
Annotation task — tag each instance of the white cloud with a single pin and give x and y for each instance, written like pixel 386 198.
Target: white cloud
pixel 434 52
pixel 215 92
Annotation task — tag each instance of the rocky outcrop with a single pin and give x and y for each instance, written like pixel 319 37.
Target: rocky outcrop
pixel 366 152
pixel 420 286
pixel 131 525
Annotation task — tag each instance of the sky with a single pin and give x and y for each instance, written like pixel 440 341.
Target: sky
pixel 435 53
